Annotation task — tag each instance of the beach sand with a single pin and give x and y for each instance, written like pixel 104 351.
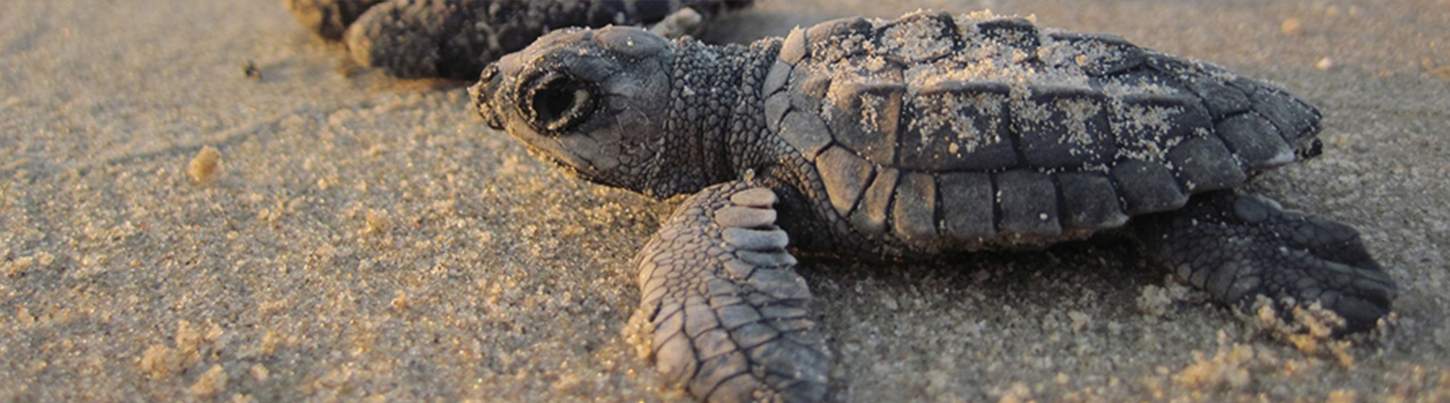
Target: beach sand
pixel 357 236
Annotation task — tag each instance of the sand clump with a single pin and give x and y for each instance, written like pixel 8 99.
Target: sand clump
pixel 21 266
pixel 1310 329
pixel 160 361
pixel 1156 301
pixel 376 222
pixel 1228 367
pixel 1342 396
pixel 1291 26
pixel 205 166
pixel 1018 392
pixel 210 383
pixel 260 372
pixel 189 347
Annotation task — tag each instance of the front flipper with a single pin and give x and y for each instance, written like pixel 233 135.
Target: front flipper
pixel 1237 247
pixel 729 314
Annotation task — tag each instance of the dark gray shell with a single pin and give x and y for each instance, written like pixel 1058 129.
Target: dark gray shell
pixel 976 128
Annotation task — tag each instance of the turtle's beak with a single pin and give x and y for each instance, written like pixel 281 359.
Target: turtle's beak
pixel 483 96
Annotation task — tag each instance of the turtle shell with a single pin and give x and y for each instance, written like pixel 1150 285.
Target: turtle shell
pixel 977 128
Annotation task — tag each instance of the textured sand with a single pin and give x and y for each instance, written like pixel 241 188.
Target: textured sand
pixel 361 237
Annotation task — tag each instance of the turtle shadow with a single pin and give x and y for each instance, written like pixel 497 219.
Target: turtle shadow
pixel 1106 265
pixel 985 310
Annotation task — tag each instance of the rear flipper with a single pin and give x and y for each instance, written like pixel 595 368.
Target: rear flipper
pixel 728 314
pixel 1238 247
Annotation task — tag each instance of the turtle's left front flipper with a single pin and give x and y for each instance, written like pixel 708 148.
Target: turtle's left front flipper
pixel 728 313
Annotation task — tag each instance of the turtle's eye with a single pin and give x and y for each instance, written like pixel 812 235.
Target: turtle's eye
pixel 555 102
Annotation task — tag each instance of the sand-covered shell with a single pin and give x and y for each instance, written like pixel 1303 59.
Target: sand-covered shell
pixel 975 127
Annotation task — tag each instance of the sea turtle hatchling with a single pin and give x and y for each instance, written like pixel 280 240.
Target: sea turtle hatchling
pixel 925 135
pixel 456 38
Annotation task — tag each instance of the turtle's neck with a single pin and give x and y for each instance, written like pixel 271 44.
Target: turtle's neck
pixel 714 91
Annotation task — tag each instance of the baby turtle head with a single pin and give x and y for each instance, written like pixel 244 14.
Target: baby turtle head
pixel 595 102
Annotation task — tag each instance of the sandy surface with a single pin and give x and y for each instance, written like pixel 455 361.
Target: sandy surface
pixel 367 237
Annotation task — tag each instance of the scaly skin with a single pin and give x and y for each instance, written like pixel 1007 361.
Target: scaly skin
pixel 457 38
pixel 1238 247
pixel 730 316
pixel 626 108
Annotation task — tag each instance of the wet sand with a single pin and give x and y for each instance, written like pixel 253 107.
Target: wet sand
pixel 364 237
